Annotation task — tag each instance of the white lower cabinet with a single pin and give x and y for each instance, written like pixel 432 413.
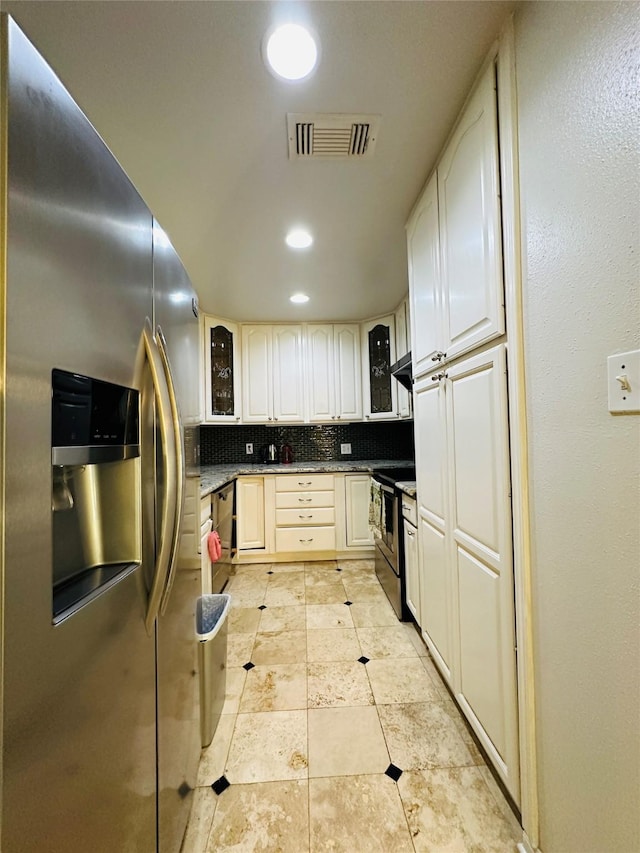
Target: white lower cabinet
pixel 465 551
pixel 411 570
pixel 357 498
pixel 250 521
pixel 302 503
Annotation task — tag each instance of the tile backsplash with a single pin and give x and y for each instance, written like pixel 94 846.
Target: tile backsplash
pixel 221 445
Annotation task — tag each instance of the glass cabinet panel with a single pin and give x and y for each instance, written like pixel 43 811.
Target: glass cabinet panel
pixel 221 365
pixel 222 396
pixel 380 369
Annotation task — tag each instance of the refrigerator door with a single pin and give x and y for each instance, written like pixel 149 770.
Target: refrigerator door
pixel 79 697
pixel 177 331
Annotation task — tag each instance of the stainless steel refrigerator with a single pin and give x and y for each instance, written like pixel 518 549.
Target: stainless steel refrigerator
pixel 100 729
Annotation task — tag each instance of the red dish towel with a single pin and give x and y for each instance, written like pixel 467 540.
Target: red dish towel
pixel 214 545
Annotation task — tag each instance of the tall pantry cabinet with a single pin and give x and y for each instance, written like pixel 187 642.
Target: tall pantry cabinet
pixel 461 430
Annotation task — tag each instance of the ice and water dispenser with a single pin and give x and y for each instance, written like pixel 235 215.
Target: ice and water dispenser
pixel 95 487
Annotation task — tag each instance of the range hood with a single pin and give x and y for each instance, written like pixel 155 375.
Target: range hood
pixel 403 372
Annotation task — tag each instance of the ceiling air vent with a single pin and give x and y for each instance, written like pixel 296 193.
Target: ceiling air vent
pixel 332 135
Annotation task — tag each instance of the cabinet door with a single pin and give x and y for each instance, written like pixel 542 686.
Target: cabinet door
pixel 423 247
pixel 250 512
pixel 436 604
pixel 257 374
pixel 221 367
pixel 412 576
pixel 320 373
pixel 402 348
pixel 470 227
pixel 288 374
pixel 347 366
pixel 378 354
pixel 358 495
pixel 478 444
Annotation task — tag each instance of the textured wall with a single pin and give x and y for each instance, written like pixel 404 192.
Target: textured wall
pixel 578 124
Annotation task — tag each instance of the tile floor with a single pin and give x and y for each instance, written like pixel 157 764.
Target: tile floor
pixel 337 732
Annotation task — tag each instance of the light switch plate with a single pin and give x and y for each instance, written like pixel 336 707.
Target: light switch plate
pixel 345 449
pixel 623 377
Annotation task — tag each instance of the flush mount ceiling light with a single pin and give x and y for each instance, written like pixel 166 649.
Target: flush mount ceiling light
pixel 290 51
pixel 299 298
pixel 298 238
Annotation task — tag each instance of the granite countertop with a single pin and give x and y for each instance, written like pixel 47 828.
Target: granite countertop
pixel 213 477
pixel 408 487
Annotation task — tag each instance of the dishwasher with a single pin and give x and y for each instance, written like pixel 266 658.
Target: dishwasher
pixel 222 514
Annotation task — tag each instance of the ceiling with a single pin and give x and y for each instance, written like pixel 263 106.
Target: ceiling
pixel 180 94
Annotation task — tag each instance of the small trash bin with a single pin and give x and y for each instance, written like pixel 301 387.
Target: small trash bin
pixel 211 631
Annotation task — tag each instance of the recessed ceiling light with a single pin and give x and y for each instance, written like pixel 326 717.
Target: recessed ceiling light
pixel 299 298
pixel 291 52
pixel 298 238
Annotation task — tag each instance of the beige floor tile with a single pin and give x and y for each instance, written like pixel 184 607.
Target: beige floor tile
pixel 463 729
pixel 505 809
pixel 400 681
pixel 326 593
pixel 275 688
pixel 434 674
pixel 244 620
pixel 274 647
pixel 357 814
pixel 332 644
pixel 282 568
pixel 373 614
pixel 264 816
pixel 357 568
pixel 322 577
pixel 423 735
pixel 234 686
pixel 346 742
pixel 239 648
pixel 268 747
pixel 337 684
pixel 214 757
pixel 412 632
pixel 244 569
pixel 203 807
pixel 247 596
pixel 285 590
pixel 291 618
pixel 385 642
pixel 367 594
pixel 329 616
pixel 453 810
pixel 320 565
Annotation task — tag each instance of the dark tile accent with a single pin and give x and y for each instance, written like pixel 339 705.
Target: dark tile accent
pixel 338 569
pixel 221 785
pixel 270 572
pixel 348 603
pixel 248 666
pixel 220 445
pixel 393 772
pixel 363 659
pixel 262 607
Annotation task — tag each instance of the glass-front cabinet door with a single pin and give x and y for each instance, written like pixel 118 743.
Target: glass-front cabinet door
pixel 378 354
pixel 221 369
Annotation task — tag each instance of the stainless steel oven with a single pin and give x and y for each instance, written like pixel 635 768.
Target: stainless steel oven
pixel 389 546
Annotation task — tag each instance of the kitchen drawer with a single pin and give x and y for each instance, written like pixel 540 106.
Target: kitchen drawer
pixel 409 510
pixel 205 509
pixel 304 517
pixel 286 500
pixel 304 482
pixel 305 539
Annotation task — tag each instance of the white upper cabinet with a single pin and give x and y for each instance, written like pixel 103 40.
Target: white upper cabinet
pixel 272 374
pixel 402 348
pixel 470 226
pixel 423 246
pixel 288 374
pixel 333 372
pixel 378 354
pixel 454 241
pixel 221 368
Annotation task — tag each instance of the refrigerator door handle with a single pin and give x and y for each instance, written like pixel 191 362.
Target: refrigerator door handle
pixel 168 508
pixel 180 466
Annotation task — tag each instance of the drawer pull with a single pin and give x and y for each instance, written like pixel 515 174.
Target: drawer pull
pixel 309 515
pixel 307 540
pixel 307 483
pixel 305 500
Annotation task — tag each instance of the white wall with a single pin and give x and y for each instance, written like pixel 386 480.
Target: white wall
pixel 579 130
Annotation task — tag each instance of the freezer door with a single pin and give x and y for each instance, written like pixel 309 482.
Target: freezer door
pixel 79 697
